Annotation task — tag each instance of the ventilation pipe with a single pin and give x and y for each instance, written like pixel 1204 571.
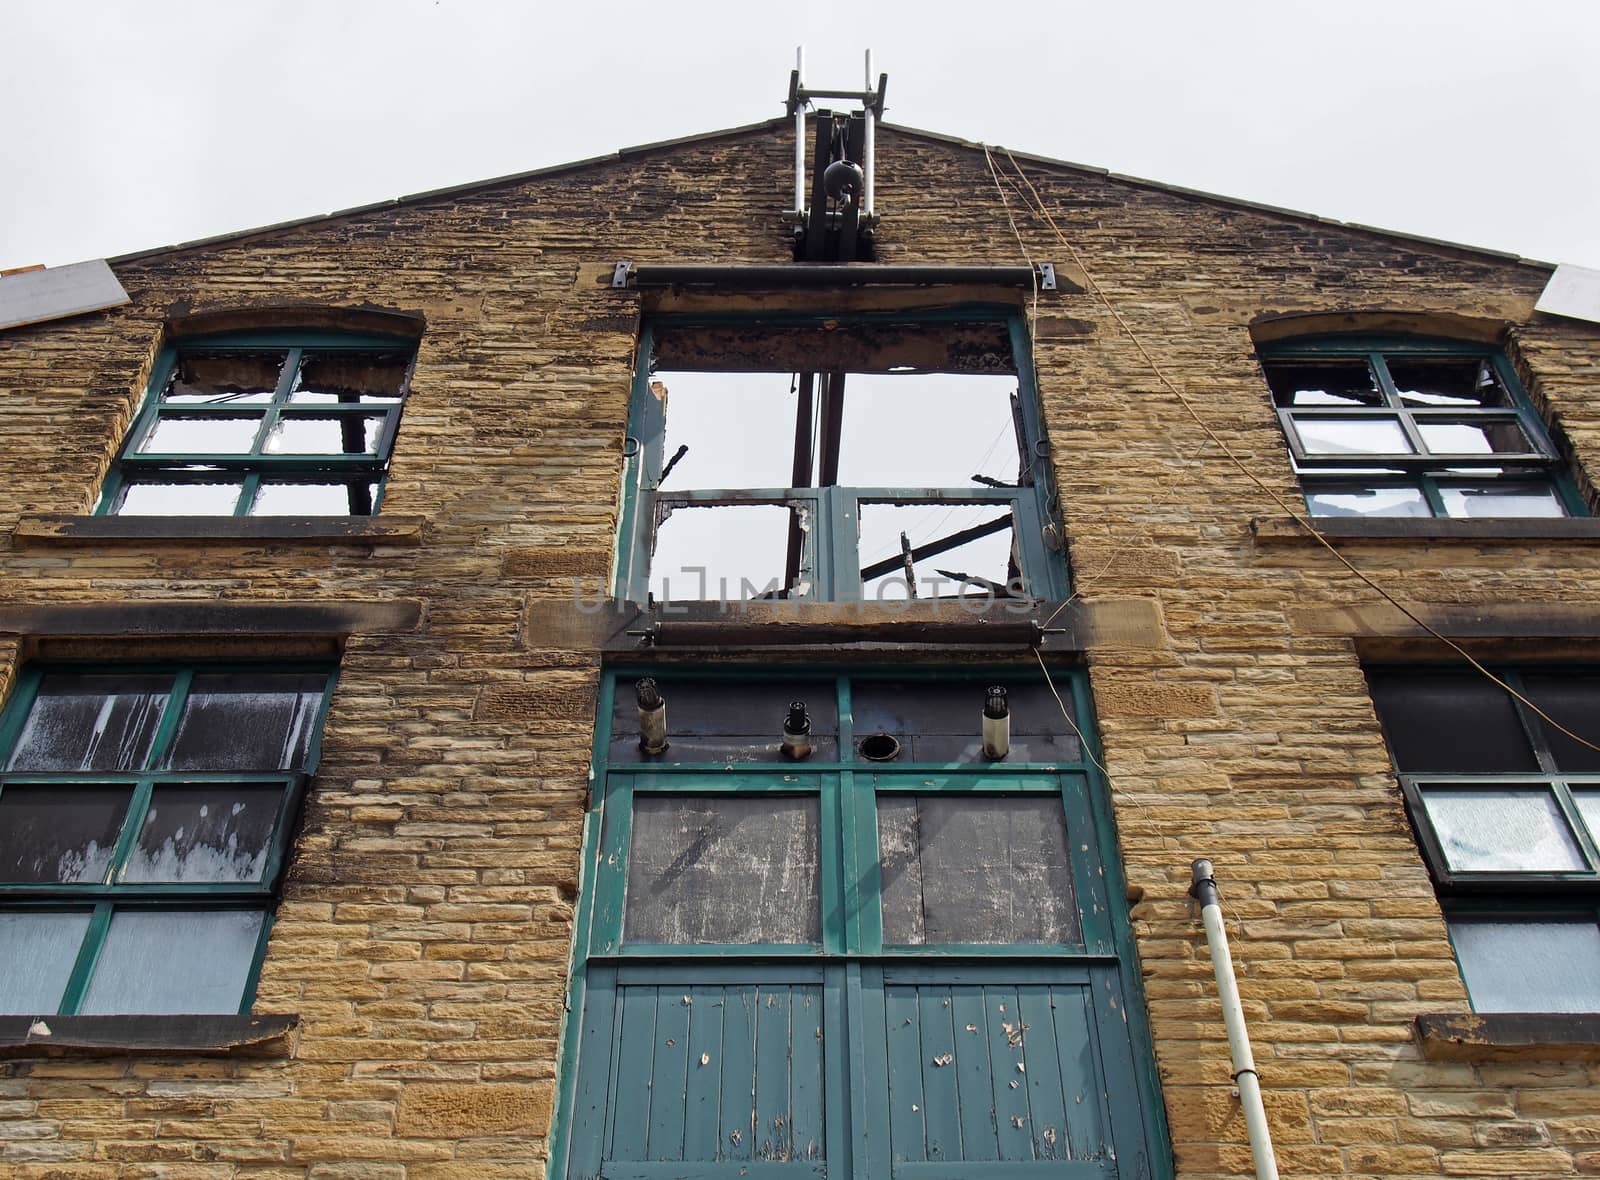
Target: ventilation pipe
pixel 1204 890
pixel 652 716
pixel 996 724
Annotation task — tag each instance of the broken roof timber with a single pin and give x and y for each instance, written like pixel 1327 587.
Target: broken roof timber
pixel 782 123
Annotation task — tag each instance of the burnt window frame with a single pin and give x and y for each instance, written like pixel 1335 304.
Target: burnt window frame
pixel 1429 473
pixel 1529 896
pixel 827 544
pixel 252 468
pixel 103 900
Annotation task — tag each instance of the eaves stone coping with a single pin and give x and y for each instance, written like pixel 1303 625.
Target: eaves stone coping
pixel 49 529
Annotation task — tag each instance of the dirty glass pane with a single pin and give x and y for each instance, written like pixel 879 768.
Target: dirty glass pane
pixel 723 868
pixel 1457 722
pixel 1447 382
pixel 178 499
pixel 727 551
pixel 37 952
pixel 1352 436
pixel 937 721
pixel 1323 383
pixel 739 428
pixel 346 434
pixel 1502 830
pixel 91 722
pixel 975 869
pixel 243 378
pixel 247 721
pixel 59 834
pixel 351 498
pixel 1501 499
pixel 987 559
pixel 327 378
pixel 1512 966
pixel 211 434
pixel 1473 438
pixel 728 720
pixel 1589 808
pixel 1368 502
pixel 920 430
pixel 205 834
pixel 174 961
pixel 1572 702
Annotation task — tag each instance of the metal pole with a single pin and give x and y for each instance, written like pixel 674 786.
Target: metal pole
pixel 868 143
pixel 1204 890
pixel 800 133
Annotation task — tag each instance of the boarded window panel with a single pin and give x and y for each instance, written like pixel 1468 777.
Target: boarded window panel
pixel 247 721
pixel 1521 966
pixel 728 720
pixel 723 869
pixel 59 834
pixel 1450 722
pixel 941 722
pixel 91 722
pixel 224 378
pixel 37 951
pixel 328 378
pixel 205 834
pixel 717 1073
pixel 1573 703
pixel 174 961
pixel 1502 830
pixel 975 869
pixel 1323 383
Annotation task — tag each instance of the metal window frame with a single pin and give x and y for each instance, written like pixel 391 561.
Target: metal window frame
pixel 251 468
pixel 852 963
pixel 829 550
pixel 1421 468
pixel 103 899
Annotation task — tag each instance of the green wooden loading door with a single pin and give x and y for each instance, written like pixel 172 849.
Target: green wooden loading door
pixel 837 969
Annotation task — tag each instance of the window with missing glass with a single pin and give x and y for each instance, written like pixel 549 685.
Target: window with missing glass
pixel 1414 427
pixel 896 955
pixel 145 815
pixel 1504 794
pixel 273 424
pixel 848 458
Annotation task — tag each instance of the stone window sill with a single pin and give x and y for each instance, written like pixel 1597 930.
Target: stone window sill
pixel 48 529
pixel 1510 1036
pixel 1285 530
pixel 101 1036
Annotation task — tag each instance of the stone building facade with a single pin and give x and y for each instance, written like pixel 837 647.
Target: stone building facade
pixel 414 1013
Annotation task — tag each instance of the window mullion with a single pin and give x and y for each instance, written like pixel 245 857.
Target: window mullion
pixel 177 699
pixel 1435 498
pixel 88 955
pixel 1526 718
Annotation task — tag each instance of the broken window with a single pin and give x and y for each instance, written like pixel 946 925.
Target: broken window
pixel 272 425
pixel 894 929
pixel 843 459
pixel 144 821
pixel 1505 801
pixel 1413 427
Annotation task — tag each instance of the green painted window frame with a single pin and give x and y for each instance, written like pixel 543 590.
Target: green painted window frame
pixel 1507 896
pixel 851 964
pixel 1430 474
pixel 105 898
pixel 829 553
pixel 252 467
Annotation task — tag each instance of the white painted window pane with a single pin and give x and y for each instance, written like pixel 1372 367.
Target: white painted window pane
pixel 174 961
pixel 1589 808
pixel 1508 499
pixel 62 834
pixel 344 435
pixel 247 721
pixel 91 722
pixel 1352 436
pixel 1502 830
pixel 208 435
pixel 1369 502
pixel 206 834
pixel 37 951
pixel 1529 966
pixel 724 868
pixel 355 498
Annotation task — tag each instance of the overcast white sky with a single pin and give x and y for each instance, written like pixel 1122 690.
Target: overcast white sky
pixel 134 125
